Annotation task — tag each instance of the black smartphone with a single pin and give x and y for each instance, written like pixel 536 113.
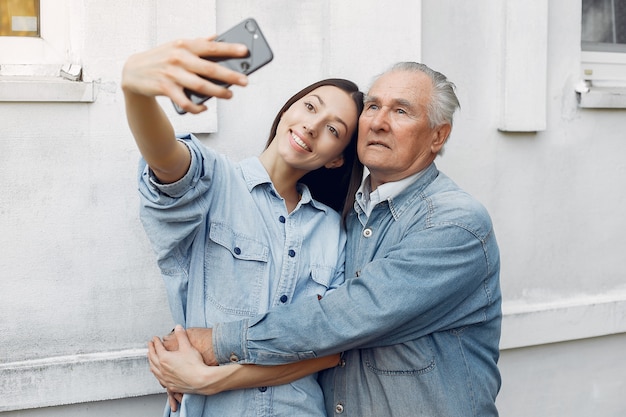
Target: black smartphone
pixel 248 33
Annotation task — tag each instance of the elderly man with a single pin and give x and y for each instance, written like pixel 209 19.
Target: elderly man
pixel 418 319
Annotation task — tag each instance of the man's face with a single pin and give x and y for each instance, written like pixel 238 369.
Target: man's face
pixel 395 137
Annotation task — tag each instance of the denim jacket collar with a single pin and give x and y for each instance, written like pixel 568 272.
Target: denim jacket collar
pixel 400 203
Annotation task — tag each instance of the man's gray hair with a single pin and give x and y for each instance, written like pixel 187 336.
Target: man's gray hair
pixel 444 101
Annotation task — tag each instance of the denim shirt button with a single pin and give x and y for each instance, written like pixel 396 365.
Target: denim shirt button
pixel 234 358
pixel 262 389
pixel 339 408
pixel 367 232
pixel 282 219
pixel 283 299
pixel 342 364
pixel 292 253
pixel 237 251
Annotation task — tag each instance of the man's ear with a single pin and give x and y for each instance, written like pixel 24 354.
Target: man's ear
pixel 441 134
pixel 335 163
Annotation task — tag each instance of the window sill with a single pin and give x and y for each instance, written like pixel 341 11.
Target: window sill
pixel 45 89
pixel 601 97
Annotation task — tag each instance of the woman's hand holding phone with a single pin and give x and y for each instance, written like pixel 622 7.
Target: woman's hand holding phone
pixel 172 68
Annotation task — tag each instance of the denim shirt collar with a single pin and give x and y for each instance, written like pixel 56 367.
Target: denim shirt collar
pixel 399 203
pixel 255 174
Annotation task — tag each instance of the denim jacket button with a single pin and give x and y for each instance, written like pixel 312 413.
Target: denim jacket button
pixel 283 298
pixel 237 251
pixel 282 219
pixel 339 408
pixel 367 232
pixel 262 389
pixel 234 358
pixel 292 253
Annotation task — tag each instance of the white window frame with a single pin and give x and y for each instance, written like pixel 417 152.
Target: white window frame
pixel 604 67
pixel 603 84
pixel 603 78
pixel 45 49
pixel 30 67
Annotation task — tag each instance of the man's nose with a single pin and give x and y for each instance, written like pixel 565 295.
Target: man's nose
pixel 380 120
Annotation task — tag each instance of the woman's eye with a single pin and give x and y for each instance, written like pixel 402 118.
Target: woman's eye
pixel 333 131
pixel 309 106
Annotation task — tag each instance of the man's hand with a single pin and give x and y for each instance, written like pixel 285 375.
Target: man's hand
pixel 177 370
pixel 181 369
pixel 199 338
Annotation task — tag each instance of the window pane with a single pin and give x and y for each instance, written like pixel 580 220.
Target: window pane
pixel 620 21
pixel 604 25
pixel 597 21
pixel 19 17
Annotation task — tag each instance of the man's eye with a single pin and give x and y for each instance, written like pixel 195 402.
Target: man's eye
pixel 400 111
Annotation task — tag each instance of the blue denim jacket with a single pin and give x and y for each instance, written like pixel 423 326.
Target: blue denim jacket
pixel 228 249
pixel 419 316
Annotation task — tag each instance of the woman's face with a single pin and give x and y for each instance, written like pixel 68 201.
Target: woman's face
pixel 315 130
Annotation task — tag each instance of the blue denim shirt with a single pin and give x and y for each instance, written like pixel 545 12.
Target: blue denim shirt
pixel 228 249
pixel 418 318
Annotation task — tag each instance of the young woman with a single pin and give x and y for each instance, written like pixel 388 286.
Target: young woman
pixel 234 239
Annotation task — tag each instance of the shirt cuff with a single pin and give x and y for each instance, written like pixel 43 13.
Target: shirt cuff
pixel 229 342
pixel 178 188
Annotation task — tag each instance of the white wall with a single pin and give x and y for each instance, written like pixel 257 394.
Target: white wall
pixel 556 198
pixel 79 279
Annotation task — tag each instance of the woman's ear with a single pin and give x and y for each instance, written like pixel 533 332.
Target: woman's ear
pixel 335 163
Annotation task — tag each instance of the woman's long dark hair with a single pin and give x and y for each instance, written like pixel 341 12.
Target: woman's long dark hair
pixel 334 187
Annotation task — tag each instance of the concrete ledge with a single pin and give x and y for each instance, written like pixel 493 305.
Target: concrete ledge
pixel 76 379
pixel 530 324
pixel 123 374
pixel 45 89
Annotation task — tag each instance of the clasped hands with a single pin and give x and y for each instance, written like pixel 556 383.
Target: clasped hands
pixel 179 362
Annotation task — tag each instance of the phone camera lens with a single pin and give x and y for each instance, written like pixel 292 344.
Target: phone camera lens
pixel 250 27
pixel 245 66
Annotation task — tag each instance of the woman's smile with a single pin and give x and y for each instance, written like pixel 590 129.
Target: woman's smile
pixel 299 143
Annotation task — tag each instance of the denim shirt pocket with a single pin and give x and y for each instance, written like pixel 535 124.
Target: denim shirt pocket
pixel 320 281
pixel 235 269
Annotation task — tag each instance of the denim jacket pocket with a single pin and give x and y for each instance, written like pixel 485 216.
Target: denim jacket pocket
pixel 238 265
pixel 415 357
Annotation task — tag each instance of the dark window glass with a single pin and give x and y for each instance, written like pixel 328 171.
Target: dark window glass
pixel 604 25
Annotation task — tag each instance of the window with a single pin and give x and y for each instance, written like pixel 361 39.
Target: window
pixel 19 18
pixel 50 47
pixel 38 62
pixel 603 54
pixel 604 25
